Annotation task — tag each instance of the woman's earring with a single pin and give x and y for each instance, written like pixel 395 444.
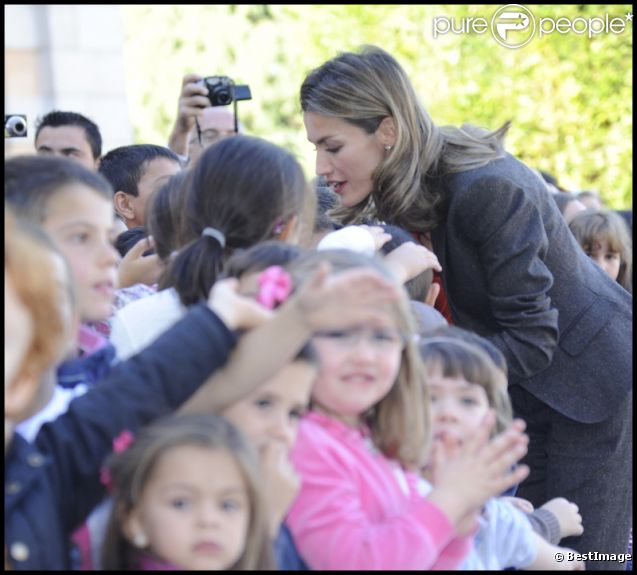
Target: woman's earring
pixel 140 540
pixel 387 147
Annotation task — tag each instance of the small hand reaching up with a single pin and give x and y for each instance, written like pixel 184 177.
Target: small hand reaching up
pixel 410 259
pixel 567 514
pixel 466 476
pixel 136 268
pixel 236 311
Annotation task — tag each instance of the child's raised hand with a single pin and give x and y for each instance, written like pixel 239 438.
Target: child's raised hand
pixel 135 267
pixel 281 482
pixel 443 449
pixel 503 452
pixel 410 259
pixel 236 311
pixel 381 237
pixel 479 469
pixel 567 514
pixel 340 300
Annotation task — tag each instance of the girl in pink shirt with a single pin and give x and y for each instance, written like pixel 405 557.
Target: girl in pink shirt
pixel 362 505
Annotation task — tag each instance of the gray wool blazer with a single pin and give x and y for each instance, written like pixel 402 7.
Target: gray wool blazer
pixel 514 273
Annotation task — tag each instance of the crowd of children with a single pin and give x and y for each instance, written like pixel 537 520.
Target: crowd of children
pixel 245 383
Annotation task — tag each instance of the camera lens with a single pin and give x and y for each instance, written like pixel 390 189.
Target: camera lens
pixel 15 126
pixel 223 97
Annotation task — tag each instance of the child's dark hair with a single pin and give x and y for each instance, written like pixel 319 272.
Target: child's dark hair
pixel 551 179
pixel 427 317
pixel 57 119
pixel 260 257
pixel 243 190
pixel 453 331
pixel 123 167
pixel 417 287
pixel 128 238
pixel 164 213
pixel 563 199
pixel 457 357
pixel 326 200
pixel 31 181
pixel 592 226
pixel 131 469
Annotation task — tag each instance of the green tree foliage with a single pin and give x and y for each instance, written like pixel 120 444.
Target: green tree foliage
pixel 569 96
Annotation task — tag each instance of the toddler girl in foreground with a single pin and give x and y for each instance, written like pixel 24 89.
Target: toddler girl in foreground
pixel 186 496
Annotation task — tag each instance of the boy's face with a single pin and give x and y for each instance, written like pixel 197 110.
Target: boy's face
pixel 155 174
pixel 457 407
pixel 81 223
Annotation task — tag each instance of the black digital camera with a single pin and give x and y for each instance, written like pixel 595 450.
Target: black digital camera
pixel 223 91
pixel 15 126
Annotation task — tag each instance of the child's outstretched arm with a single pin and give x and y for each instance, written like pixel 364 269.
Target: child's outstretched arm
pixel 327 301
pixel 150 384
pixel 555 520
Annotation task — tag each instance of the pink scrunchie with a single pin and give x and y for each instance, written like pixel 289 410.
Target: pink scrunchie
pixel 121 443
pixel 275 286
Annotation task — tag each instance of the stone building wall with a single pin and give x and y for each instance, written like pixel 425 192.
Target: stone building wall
pixel 70 58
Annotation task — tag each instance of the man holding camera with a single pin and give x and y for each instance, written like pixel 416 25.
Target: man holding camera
pixel 215 122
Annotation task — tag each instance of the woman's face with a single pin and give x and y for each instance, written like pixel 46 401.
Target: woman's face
pixel 346 155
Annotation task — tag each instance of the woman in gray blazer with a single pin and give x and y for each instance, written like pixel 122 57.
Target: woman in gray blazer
pixel 512 272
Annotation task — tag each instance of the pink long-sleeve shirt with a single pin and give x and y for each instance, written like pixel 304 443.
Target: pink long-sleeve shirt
pixel 358 509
